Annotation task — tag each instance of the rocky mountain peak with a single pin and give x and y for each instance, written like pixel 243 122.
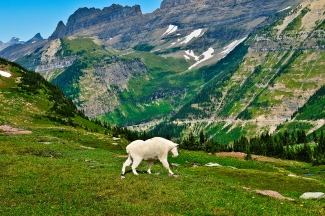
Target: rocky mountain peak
pixel 38 36
pixel 34 39
pixel 84 18
pixel 173 3
pixel 59 31
pixel 14 40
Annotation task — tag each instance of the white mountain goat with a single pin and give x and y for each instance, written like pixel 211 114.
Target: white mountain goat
pixel 149 150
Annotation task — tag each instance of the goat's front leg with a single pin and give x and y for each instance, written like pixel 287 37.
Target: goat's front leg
pixel 166 165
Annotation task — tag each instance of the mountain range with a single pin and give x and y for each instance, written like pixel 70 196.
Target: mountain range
pixel 228 68
pixel 15 40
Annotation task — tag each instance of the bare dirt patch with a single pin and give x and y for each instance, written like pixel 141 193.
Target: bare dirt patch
pixel 269 193
pixel 12 131
pixel 242 156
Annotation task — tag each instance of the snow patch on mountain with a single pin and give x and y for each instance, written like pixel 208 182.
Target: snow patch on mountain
pixel 5 74
pixel 191 53
pixel 287 8
pixel 231 46
pixel 206 55
pixel 171 29
pixel 186 57
pixel 195 34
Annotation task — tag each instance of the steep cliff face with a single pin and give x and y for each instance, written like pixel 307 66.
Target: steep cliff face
pixel 119 73
pixel 101 85
pixel 56 63
pixel 85 18
pixel 173 3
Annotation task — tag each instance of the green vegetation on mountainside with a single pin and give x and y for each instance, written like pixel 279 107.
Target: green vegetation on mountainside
pixel 297 22
pixel 81 46
pixel 68 80
pixel 215 77
pixel 28 100
pixel 314 109
pixel 158 92
pixel 30 61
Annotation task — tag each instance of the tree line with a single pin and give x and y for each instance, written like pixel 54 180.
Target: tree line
pixel 287 145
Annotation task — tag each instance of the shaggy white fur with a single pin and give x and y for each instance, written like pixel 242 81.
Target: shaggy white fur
pixel 156 148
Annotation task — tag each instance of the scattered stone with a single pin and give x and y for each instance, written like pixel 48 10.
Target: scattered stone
pixel 115 138
pixel 173 175
pixel 87 161
pixel 175 164
pixel 312 195
pixel 114 143
pixel 122 177
pixel 232 167
pixel 86 147
pixel 195 165
pixel 92 167
pixel 292 175
pixel 212 165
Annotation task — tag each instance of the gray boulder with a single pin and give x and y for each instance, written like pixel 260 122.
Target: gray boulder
pixel 313 195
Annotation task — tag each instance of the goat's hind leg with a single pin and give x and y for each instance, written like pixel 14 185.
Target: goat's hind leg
pixel 136 162
pixel 128 162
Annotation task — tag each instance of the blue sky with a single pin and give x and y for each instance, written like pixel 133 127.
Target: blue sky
pixel 25 18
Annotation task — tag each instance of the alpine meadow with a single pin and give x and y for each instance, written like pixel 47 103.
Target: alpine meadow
pixel 238 84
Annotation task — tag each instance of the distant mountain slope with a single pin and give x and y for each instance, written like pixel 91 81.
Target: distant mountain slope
pixel 281 71
pixel 27 99
pixel 13 41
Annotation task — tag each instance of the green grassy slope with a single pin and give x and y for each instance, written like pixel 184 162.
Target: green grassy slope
pixel 48 173
pixel 28 100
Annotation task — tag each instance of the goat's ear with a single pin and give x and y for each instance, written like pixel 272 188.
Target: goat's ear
pixel 176 145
